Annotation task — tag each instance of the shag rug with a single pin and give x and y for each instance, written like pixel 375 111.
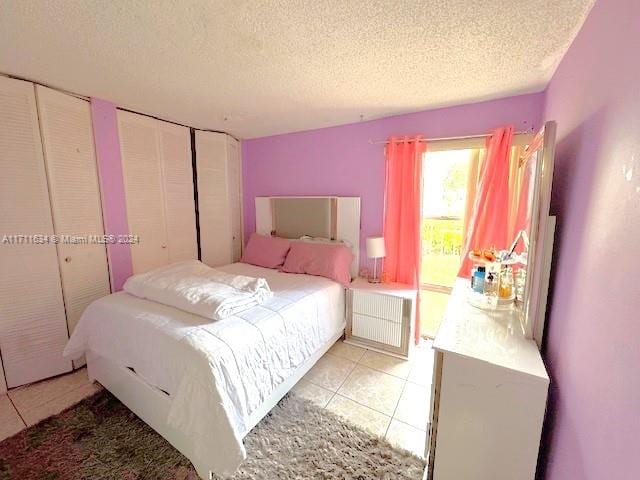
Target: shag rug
pixel 100 438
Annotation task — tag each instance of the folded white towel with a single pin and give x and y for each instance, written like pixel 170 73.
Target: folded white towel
pixel 196 288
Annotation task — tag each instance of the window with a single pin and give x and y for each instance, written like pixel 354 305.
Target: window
pixel 444 197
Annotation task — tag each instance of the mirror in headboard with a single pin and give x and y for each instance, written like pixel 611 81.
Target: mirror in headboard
pixel 532 220
pixel 298 217
pixel 330 217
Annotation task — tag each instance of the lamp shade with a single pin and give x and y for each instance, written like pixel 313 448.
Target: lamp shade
pixel 375 247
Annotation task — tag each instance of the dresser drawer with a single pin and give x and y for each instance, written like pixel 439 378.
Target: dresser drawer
pixel 375 305
pixel 377 330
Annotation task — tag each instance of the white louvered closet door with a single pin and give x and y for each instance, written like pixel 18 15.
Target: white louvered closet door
pixel 143 184
pixel 234 179
pixel 177 172
pixel 213 199
pixel 69 152
pixel 33 328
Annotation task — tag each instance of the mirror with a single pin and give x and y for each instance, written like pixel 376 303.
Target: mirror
pixel 535 173
pixel 298 217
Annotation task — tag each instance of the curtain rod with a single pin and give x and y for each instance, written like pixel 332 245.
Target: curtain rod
pixel 88 99
pixel 441 139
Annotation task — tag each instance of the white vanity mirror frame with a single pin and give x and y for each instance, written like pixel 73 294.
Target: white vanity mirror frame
pixel 532 311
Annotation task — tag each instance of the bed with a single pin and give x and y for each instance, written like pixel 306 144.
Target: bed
pixel 159 361
pixel 202 384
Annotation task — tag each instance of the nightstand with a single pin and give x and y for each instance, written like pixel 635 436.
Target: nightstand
pixel 380 316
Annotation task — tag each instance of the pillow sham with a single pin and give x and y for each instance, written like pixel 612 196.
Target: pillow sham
pixel 266 251
pixel 326 260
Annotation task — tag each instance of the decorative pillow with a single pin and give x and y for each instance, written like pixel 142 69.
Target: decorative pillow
pixel 266 251
pixel 326 260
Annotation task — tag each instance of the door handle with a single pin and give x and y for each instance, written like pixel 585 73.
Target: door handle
pixel 67 259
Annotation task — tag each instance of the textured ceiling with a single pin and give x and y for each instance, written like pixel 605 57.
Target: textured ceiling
pixel 255 68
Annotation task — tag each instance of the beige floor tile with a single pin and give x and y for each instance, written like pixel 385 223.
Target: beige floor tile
pixel 10 421
pixel 386 363
pixel 330 372
pixel 413 407
pixel 318 395
pixel 31 396
pixel 344 350
pixel 422 366
pixel 407 437
pixel 363 417
pixel 373 389
pixel 55 406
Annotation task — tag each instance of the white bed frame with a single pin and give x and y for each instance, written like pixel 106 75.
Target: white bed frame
pixel 152 404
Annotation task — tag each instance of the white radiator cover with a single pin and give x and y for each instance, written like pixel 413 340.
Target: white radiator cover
pixel 377 330
pixel 380 316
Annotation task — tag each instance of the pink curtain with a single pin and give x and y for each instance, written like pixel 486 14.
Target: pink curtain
pixel 489 219
pixel 403 180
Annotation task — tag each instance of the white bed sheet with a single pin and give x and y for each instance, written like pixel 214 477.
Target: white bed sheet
pixel 216 372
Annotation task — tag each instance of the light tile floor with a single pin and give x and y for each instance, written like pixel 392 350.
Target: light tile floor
pixel 385 395
pixel 27 405
pixel 382 394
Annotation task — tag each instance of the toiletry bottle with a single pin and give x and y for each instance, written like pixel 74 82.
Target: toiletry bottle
pixel 506 283
pixel 491 288
pixel 478 279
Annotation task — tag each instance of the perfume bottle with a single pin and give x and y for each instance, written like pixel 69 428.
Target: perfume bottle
pixel 520 280
pixel 506 283
pixel 491 288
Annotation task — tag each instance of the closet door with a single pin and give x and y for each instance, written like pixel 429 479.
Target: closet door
pixel 213 199
pixel 143 184
pixel 67 137
pixel 234 186
pixel 180 214
pixel 33 328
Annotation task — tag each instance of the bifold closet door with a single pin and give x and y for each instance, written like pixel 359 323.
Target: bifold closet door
pixel 69 152
pixel 33 327
pixel 216 243
pixel 143 184
pixel 234 178
pixel 177 173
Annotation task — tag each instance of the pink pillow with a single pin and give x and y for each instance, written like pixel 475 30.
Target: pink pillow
pixel 326 260
pixel 266 251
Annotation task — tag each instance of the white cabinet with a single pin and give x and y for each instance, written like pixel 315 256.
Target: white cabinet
pixel 69 152
pixel 156 161
pixel 33 328
pixel 380 316
pixel 219 174
pixel 488 396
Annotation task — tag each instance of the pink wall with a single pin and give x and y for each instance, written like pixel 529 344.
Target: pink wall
pixel 114 209
pixel 341 161
pixel 593 336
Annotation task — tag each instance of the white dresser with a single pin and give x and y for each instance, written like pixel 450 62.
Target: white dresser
pixel 489 396
pixel 380 316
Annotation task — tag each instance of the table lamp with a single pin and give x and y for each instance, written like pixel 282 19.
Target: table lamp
pixel 375 250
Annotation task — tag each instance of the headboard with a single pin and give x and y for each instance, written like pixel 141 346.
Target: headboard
pixel 337 218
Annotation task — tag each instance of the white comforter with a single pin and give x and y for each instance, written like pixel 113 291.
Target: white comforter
pixel 197 288
pixel 217 372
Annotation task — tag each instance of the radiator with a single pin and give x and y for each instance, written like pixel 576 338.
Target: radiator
pixel 381 319
pixel 377 330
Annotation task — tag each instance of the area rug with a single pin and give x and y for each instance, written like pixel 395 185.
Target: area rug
pixel 100 438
